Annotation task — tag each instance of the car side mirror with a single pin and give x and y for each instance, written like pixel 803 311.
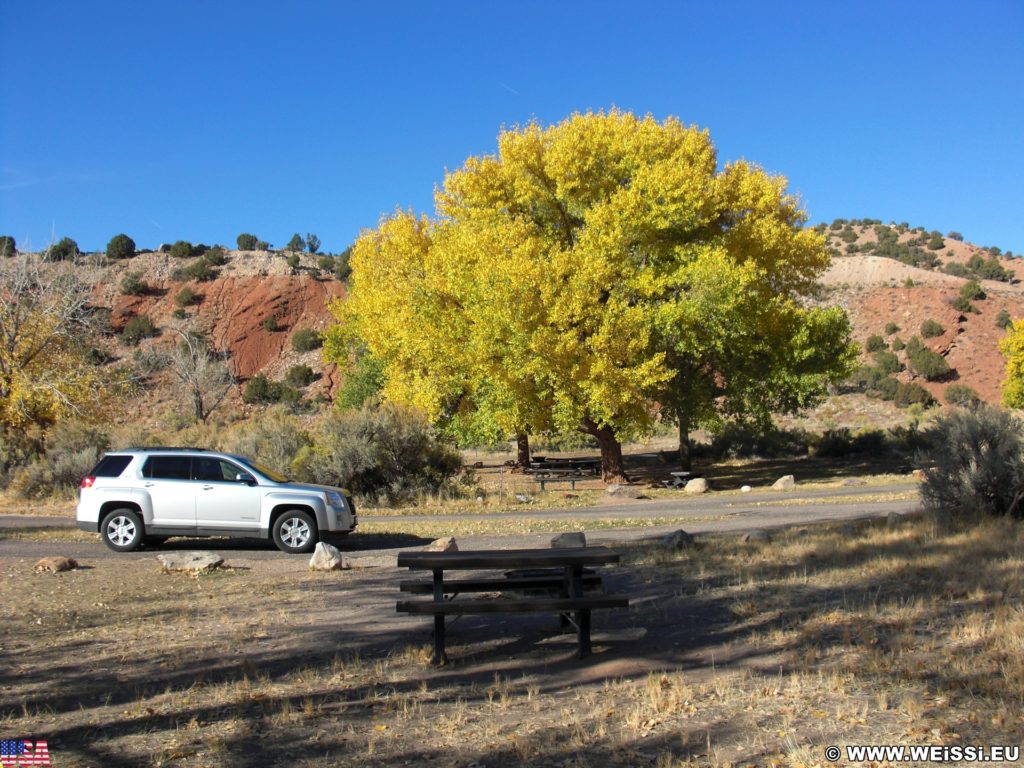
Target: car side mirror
pixel 245 477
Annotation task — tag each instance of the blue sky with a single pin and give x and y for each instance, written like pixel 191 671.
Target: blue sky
pixel 200 120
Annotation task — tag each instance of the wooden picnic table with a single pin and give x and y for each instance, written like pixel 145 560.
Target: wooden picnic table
pixel 566 575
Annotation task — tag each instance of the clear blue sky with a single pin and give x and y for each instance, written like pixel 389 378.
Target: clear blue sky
pixel 200 120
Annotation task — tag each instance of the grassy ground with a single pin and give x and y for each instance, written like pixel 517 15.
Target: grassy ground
pixel 731 654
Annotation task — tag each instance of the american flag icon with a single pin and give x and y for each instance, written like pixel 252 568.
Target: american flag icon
pixel 15 753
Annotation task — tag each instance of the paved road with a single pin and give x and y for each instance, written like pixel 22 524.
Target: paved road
pixel 713 513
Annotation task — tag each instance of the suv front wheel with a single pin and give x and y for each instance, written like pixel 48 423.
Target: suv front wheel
pixel 122 531
pixel 295 532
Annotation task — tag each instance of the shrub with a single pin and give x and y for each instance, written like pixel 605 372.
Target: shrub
pixel 930 329
pixel 974 465
pixel 198 270
pixel 138 328
pixel 962 395
pixel 891 328
pixel 273 437
pixel 65 250
pixel 741 441
pixel 956 269
pixel 1003 319
pixel 927 363
pixel 342 270
pixel 936 242
pixel 908 283
pixel 260 389
pixel 312 242
pixel 132 284
pixel 887 388
pixel 389 454
pixel 8 247
pixel 270 323
pixel 848 235
pixel 186 297
pixel 326 263
pixel 306 340
pixel 908 393
pixel 991 269
pixel 887 362
pixel 179 314
pixel 960 304
pixel 246 242
pixel 293 261
pixel 875 343
pixel 216 256
pixel 71 450
pixel 972 291
pixel 897 344
pixel 300 376
pixel 182 249
pixel 120 247
pixel 955 236
pixel 262 245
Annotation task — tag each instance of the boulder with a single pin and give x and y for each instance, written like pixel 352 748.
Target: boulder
pixel 851 482
pixel 746 489
pixel 569 540
pixel 524 498
pixel 697 485
pixel 677 540
pixel 55 565
pixel 784 483
pixel 757 536
pixel 624 491
pixel 446 544
pixel 327 557
pixel 917 474
pixel 192 562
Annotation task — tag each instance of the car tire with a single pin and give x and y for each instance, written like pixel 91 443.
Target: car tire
pixel 295 532
pixel 122 530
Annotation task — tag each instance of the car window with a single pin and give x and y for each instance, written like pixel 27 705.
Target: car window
pixel 168 467
pixel 216 470
pixel 111 466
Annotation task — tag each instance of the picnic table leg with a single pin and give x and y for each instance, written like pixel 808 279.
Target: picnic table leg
pixel 439 659
pixel 583 633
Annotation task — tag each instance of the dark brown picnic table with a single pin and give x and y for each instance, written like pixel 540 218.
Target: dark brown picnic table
pixel 562 571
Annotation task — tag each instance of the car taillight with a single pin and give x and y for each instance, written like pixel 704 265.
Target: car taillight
pixel 87 482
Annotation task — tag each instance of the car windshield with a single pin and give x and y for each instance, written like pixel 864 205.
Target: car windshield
pixel 267 472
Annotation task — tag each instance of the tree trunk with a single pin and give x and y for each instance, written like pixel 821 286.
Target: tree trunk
pixel 685 458
pixel 523 450
pixel 613 469
pixel 197 406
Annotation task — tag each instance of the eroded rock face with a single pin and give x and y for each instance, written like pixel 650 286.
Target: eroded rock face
pixel 327 558
pixel 191 562
pixel 55 565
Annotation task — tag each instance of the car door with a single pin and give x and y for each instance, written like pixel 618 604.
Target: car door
pixel 168 480
pixel 226 495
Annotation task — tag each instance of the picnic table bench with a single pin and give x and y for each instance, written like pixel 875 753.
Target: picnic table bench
pixel 563 573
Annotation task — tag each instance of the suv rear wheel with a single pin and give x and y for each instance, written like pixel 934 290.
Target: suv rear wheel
pixel 122 531
pixel 295 532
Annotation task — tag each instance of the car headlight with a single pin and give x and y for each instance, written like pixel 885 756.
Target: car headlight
pixel 335 499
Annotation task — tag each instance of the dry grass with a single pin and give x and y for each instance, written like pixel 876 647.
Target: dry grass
pixel 739 655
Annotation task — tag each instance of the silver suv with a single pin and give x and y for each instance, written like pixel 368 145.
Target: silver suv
pixel 144 495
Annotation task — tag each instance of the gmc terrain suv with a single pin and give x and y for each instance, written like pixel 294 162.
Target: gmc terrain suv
pixel 143 495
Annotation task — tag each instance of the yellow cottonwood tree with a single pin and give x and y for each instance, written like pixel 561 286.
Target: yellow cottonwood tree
pixel 43 317
pixel 1012 347
pixel 592 272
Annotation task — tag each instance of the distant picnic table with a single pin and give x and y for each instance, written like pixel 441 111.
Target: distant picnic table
pixel 545 570
pixel 546 470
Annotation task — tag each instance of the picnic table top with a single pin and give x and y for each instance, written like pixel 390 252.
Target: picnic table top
pixel 508 558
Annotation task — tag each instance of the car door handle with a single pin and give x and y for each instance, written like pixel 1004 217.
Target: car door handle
pixel 149 485
pixel 207 487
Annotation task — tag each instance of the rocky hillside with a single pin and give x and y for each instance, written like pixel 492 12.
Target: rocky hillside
pixel 919 278
pixel 890 279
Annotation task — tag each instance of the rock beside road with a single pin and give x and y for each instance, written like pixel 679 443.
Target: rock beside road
pixel 697 485
pixel 191 562
pixel 784 483
pixel 624 491
pixel 55 565
pixel 327 558
pixel 569 540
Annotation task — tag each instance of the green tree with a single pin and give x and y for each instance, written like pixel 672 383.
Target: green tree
pixel 120 247
pixel 312 242
pixel 181 249
pixel 8 247
pixel 65 250
pixel 246 242
pixel 589 271
pixel 296 243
